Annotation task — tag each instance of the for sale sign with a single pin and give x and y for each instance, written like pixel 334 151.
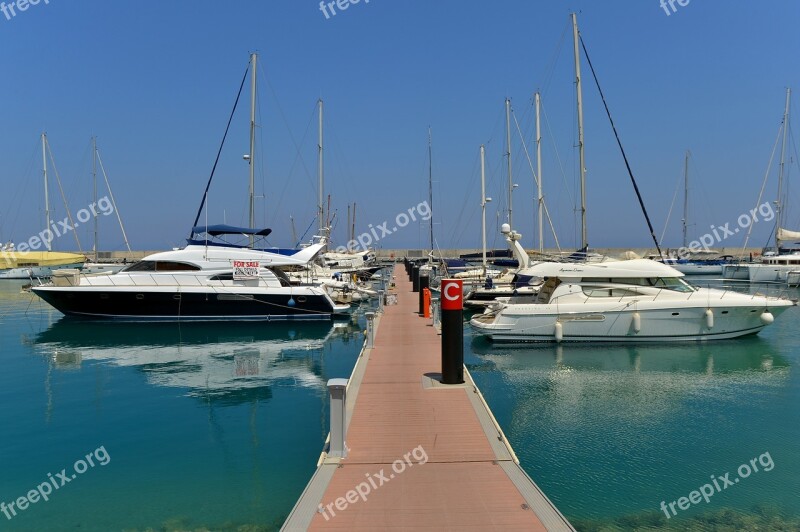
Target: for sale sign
pixel 244 270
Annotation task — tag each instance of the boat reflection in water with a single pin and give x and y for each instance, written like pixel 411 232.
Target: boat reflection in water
pixel 222 360
pixel 643 381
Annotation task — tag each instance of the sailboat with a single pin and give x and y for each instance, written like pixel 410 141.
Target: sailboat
pixel 693 265
pixel 96 266
pixel 17 262
pixel 776 266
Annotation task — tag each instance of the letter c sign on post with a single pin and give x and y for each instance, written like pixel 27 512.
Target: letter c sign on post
pixel 452 294
pixel 452 331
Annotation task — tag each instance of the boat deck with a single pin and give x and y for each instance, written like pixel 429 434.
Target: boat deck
pixel 431 456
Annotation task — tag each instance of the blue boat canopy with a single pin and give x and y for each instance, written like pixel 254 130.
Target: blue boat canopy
pixel 221 229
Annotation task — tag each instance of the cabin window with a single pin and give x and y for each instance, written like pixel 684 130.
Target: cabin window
pixel 604 291
pixel 161 266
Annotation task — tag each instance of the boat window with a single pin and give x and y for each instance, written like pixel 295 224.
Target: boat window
pixel 596 291
pixel 604 291
pixel 672 283
pixel 141 266
pixel 161 266
pixel 222 277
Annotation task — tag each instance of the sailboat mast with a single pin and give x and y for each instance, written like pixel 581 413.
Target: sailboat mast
pixel 94 186
pixel 254 61
pixel 508 160
pixel 779 201
pixel 483 205
pixel 353 227
pixel 430 183
pixel 540 194
pixel 46 193
pixel 686 201
pixel 581 155
pixel 321 170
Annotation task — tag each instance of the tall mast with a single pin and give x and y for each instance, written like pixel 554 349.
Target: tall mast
pixel 46 193
pixel 508 157
pixel 483 204
pixel 540 195
pixel 94 185
pixel 582 160
pixel 347 227
pixel 321 170
pixel 686 200
pixel 353 227
pixel 430 182
pixel 254 61
pixel 779 202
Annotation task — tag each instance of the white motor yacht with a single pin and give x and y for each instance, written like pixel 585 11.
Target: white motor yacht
pixel 637 300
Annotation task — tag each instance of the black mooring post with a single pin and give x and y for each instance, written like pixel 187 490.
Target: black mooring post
pixel 424 282
pixel 452 301
pixel 415 279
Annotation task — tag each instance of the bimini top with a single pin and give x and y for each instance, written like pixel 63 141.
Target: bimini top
pixel 222 229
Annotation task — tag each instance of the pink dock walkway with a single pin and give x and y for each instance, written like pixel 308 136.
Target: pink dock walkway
pixel 455 471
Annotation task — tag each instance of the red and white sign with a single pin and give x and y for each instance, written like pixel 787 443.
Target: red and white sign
pixel 452 294
pixel 244 270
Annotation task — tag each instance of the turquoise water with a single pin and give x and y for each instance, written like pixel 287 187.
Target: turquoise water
pixel 609 432
pixel 215 426
pixel 218 427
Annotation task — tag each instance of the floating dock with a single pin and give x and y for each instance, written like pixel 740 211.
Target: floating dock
pixel 420 454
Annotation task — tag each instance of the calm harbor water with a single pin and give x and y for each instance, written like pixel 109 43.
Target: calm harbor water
pixel 608 432
pixel 219 426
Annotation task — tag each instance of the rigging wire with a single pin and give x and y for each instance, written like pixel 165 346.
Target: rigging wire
pixel 625 157
pixel 219 152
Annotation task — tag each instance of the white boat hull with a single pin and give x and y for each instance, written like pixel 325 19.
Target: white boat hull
pixel 767 273
pixel 698 269
pixel 735 271
pixel 35 272
pixel 662 325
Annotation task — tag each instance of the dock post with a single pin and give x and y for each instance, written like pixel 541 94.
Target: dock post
pixel 381 300
pixel 415 279
pixel 370 330
pixel 452 331
pixel 424 283
pixel 435 312
pixel 337 388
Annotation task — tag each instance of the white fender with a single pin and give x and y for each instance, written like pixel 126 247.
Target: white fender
pixel 637 322
pixel 767 318
pixel 559 332
pixel 709 318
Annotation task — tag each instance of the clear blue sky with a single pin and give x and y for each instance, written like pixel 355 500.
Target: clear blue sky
pixel 155 83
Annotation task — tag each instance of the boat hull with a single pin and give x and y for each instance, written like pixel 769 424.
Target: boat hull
pixel 662 325
pixel 189 304
pixel 35 272
pixel 735 271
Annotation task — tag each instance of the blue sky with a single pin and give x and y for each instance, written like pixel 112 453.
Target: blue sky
pixel 155 83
